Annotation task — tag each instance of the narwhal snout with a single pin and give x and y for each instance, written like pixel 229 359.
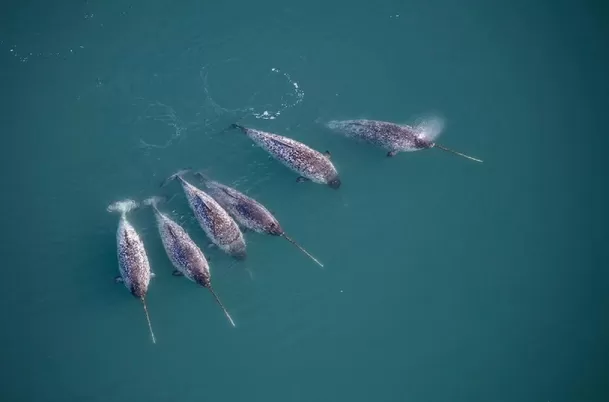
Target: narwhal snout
pixel 335 183
pixel 238 252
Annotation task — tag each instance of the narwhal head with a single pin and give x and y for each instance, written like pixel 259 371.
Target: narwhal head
pixel 423 143
pixel 237 250
pixel 201 277
pixel 138 289
pixel 427 131
pixel 274 229
pixel 334 182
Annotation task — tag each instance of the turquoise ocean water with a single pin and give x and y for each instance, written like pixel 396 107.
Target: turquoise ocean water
pixel 445 280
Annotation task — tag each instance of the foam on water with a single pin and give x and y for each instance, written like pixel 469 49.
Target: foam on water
pixel 288 100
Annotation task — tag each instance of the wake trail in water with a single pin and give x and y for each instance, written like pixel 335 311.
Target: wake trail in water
pixel 212 111
pixel 156 111
pixel 288 99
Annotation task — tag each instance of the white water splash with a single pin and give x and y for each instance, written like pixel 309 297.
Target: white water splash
pixel 270 112
pixel 429 127
pixel 297 97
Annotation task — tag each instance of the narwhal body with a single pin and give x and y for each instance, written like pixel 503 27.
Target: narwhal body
pixel 217 224
pixel 300 158
pixel 393 137
pixel 184 254
pixel 133 263
pixel 248 212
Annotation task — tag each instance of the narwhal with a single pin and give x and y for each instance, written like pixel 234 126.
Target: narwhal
pixel 184 254
pixel 248 212
pixel 217 224
pixel 310 164
pixel 394 137
pixel 133 262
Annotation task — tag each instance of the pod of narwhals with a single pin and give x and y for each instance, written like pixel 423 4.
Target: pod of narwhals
pixel 225 213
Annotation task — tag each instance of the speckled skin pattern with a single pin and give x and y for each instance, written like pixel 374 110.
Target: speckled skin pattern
pixel 132 259
pixel 248 212
pixel 390 136
pixel 221 229
pixel 301 159
pixel 184 254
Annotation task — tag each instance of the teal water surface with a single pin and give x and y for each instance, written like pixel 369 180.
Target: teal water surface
pixel 445 280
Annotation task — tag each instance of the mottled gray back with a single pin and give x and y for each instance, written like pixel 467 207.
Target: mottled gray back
pixel 247 212
pixel 295 155
pixel 132 259
pixel 390 136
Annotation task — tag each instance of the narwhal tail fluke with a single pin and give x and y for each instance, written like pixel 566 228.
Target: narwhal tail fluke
pixel 303 250
pixel 174 176
pixel 148 319
pixel 238 126
pixel 456 153
pixel 203 176
pixel 222 306
pixel 123 207
pixel 235 125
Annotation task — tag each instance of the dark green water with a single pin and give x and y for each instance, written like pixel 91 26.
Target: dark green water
pixel 446 280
